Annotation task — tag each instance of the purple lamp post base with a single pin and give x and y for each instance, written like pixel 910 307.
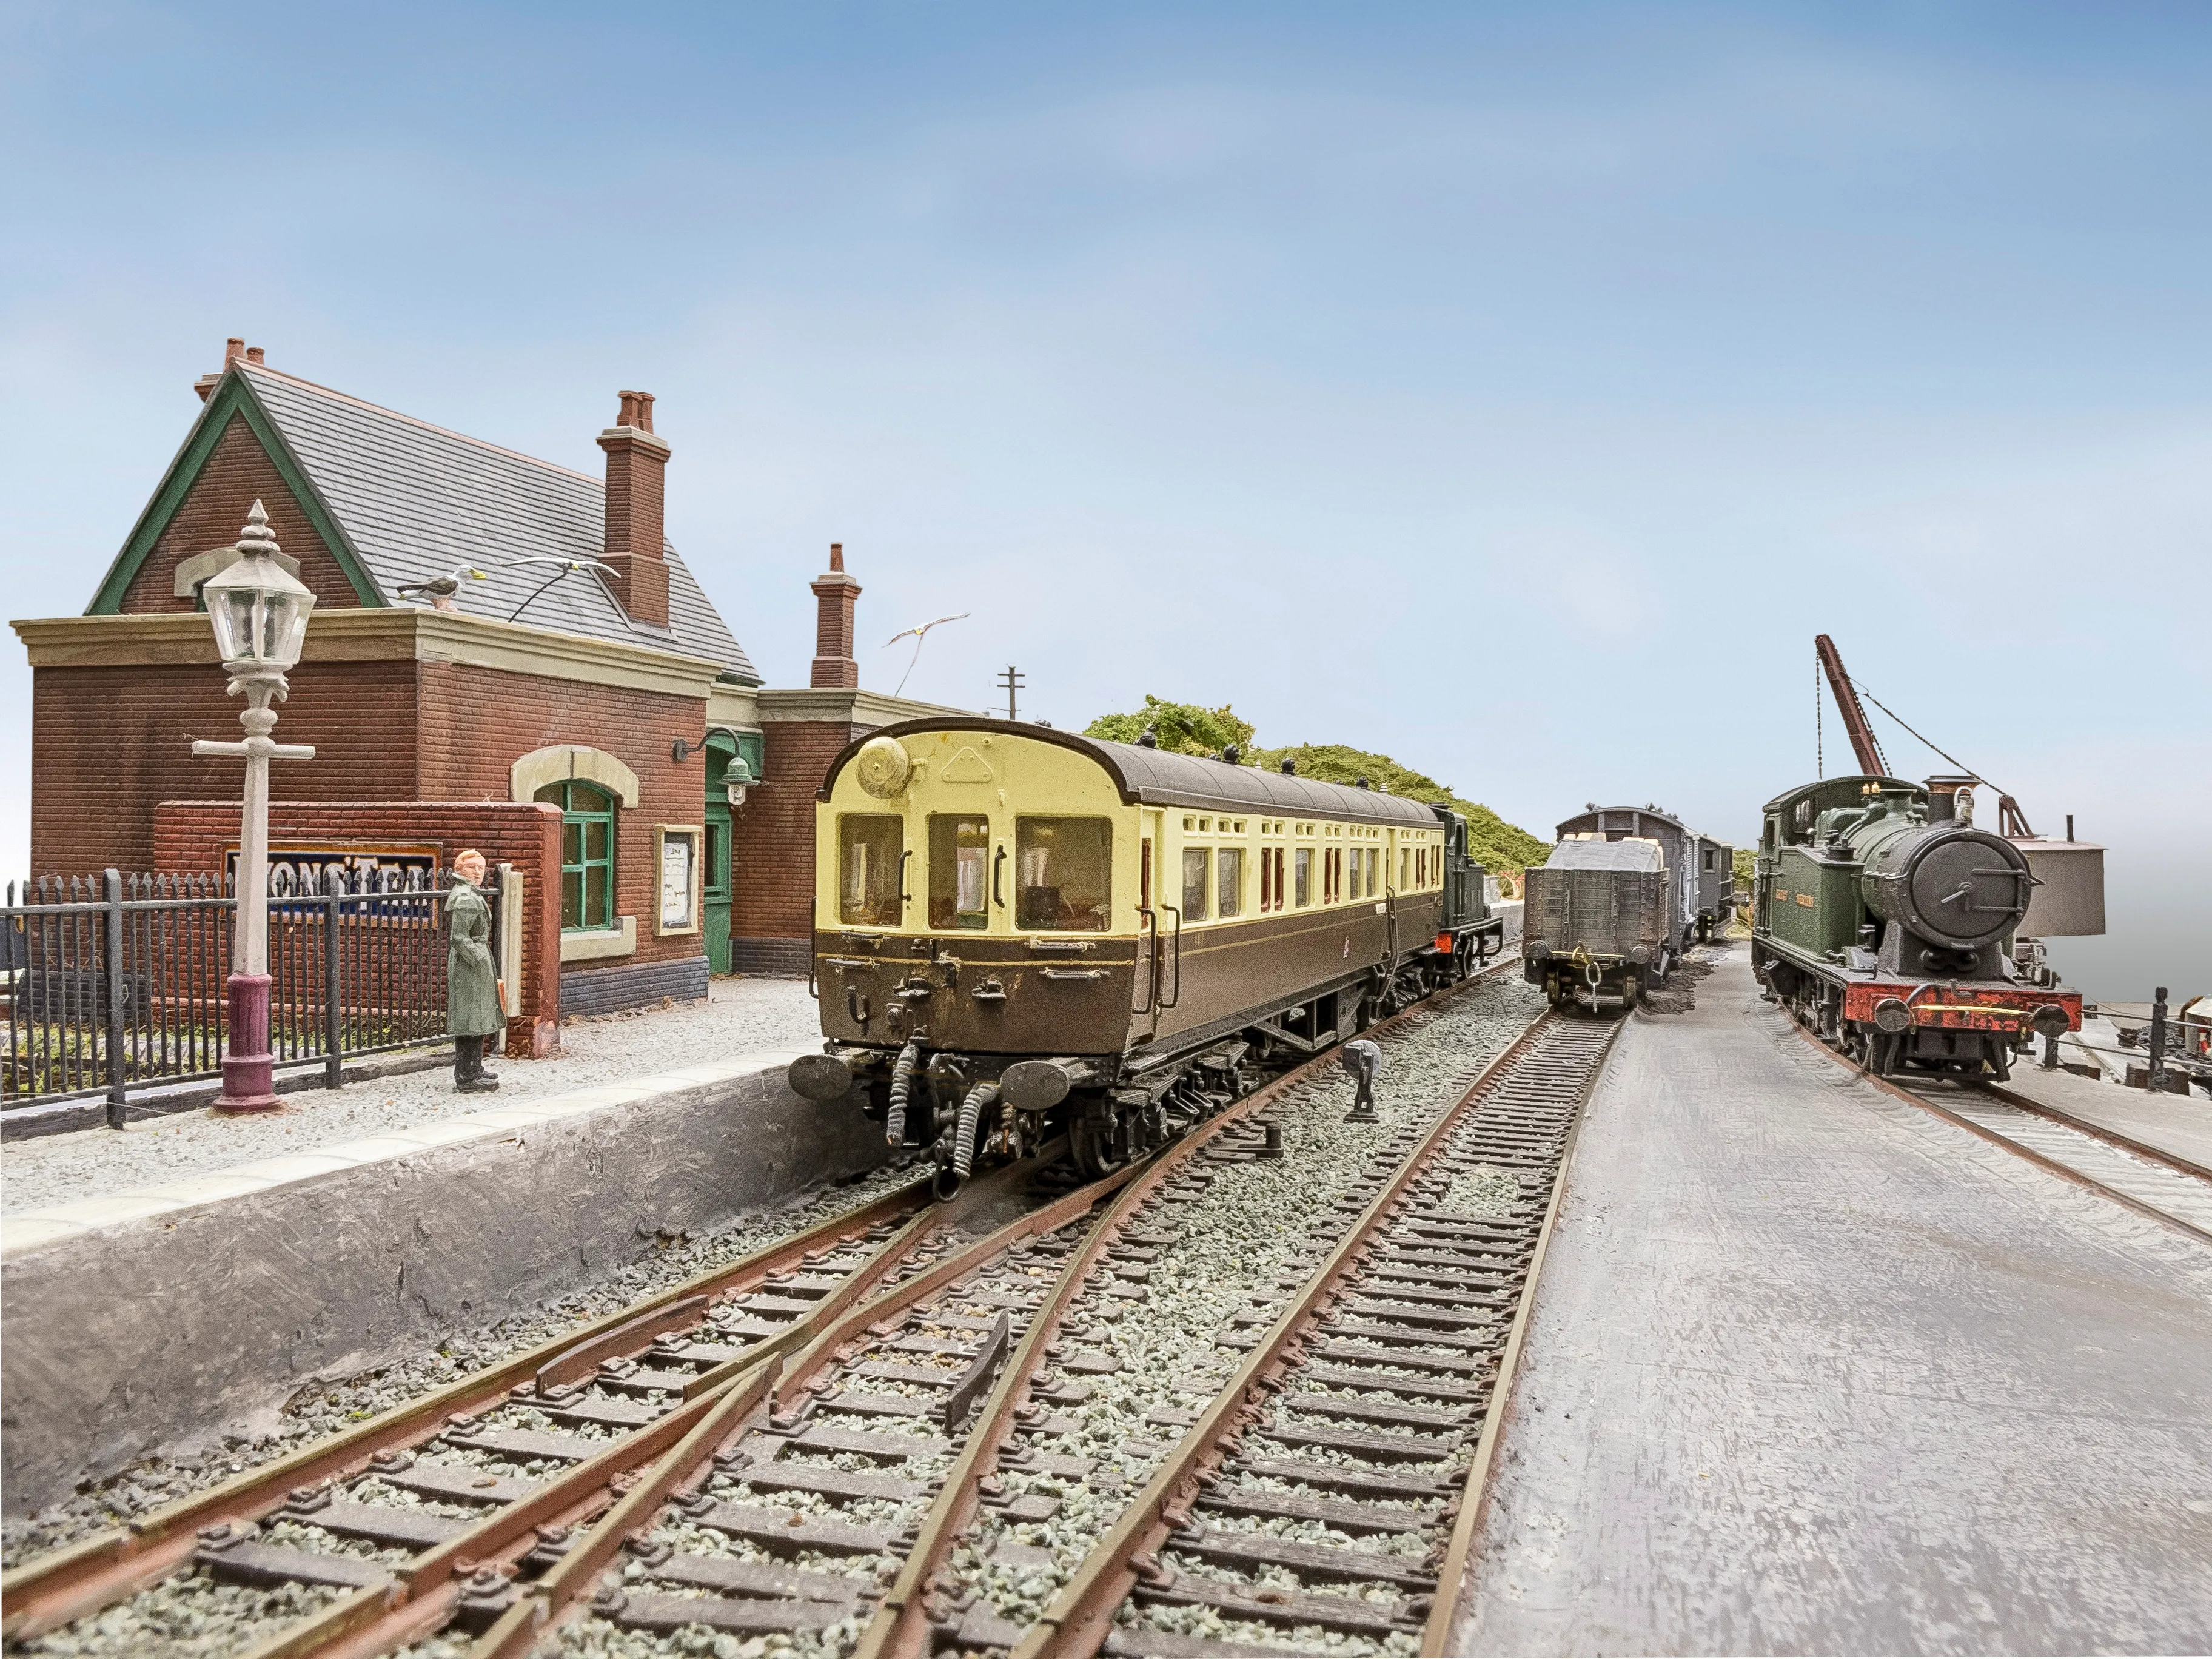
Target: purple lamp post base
pixel 249 1070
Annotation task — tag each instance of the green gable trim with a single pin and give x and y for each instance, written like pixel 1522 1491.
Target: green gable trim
pixel 231 396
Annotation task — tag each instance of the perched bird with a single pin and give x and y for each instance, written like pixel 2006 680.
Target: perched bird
pixel 440 590
pixel 919 634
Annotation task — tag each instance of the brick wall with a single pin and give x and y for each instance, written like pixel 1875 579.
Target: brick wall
pixel 471 723
pixel 772 846
pixel 236 475
pixel 195 835
pixel 112 742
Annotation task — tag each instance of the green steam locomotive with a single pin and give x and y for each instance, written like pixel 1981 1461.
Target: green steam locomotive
pixel 1884 921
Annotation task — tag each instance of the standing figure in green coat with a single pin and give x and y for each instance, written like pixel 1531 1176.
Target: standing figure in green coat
pixel 472 1011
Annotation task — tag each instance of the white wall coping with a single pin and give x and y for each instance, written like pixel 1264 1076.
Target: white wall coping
pixel 29 1230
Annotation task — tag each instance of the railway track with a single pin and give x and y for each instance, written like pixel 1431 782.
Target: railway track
pixel 2145 1179
pixel 474 1515
pixel 1325 1499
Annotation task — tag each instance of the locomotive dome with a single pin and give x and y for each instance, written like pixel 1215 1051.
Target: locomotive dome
pixel 1156 777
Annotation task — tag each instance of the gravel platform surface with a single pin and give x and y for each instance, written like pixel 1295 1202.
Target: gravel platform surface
pixel 1810 1371
pixel 320 1410
pixel 740 1016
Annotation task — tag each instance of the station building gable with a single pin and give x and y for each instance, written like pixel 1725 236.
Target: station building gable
pixel 415 699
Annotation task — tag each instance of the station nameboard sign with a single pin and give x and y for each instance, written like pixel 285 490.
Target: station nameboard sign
pixel 395 867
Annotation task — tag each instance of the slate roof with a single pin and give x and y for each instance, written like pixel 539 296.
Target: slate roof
pixel 414 501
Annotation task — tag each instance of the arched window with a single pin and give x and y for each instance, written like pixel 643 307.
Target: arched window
pixel 587 854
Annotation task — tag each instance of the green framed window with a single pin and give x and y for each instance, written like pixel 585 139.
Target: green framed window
pixel 588 854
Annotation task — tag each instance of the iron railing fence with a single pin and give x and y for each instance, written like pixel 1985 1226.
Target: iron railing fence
pixel 111 983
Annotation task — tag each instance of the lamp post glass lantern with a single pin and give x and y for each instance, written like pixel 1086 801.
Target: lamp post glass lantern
pixel 259 613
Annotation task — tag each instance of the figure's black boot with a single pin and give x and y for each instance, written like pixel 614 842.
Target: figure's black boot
pixel 468 1067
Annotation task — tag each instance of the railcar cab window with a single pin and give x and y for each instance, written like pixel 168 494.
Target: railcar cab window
pixel 870 847
pixel 959 871
pixel 588 854
pixel 1229 882
pixel 1195 883
pixel 1063 874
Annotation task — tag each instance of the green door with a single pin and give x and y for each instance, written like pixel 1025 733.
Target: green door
pixel 717 877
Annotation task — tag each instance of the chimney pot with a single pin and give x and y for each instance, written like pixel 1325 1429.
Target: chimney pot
pixel 253 354
pixel 637 463
pixel 233 350
pixel 836 556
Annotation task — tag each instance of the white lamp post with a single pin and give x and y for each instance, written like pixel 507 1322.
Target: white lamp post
pixel 260 615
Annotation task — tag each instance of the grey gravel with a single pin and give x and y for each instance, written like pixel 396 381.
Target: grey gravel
pixel 190 1616
pixel 324 1409
pixel 740 1016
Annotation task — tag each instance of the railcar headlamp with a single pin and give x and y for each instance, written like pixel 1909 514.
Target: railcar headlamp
pixel 883 767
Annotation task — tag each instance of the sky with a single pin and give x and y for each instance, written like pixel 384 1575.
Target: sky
pixel 1514 389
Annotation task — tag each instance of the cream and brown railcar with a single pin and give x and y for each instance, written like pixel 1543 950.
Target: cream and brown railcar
pixel 1018 928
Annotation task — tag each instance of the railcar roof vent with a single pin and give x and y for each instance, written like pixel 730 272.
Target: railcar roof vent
pixel 1289 766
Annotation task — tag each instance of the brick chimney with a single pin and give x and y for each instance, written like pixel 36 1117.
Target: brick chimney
pixel 636 484
pixel 233 352
pixel 834 593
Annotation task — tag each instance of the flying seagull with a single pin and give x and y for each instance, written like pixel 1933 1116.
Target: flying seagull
pixel 919 634
pixel 567 567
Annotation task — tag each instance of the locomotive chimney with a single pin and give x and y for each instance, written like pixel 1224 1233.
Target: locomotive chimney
pixel 833 594
pixel 1943 796
pixel 637 464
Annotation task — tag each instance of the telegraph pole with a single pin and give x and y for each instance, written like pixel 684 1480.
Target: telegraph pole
pixel 1012 679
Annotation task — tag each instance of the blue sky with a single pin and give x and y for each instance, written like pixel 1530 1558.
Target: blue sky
pixel 1516 389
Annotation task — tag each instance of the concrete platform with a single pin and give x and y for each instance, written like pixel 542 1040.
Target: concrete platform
pixel 134 1319
pixel 1810 1371
pixel 2178 1125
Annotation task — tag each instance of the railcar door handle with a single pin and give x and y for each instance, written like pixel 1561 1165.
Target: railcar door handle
pixel 997 865
pixel 905 897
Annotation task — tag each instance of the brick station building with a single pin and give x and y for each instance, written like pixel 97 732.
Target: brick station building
pixel 578 713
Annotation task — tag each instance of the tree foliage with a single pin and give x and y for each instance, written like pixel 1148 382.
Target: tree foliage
pixel 1181 728
pixel 1188 729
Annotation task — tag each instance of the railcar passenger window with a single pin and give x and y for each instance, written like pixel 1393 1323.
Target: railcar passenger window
pixel 1229 882
pixel 1302 875
pixel 1063 874
pixel 959 871
pixel 1195 873
pixel 869 846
